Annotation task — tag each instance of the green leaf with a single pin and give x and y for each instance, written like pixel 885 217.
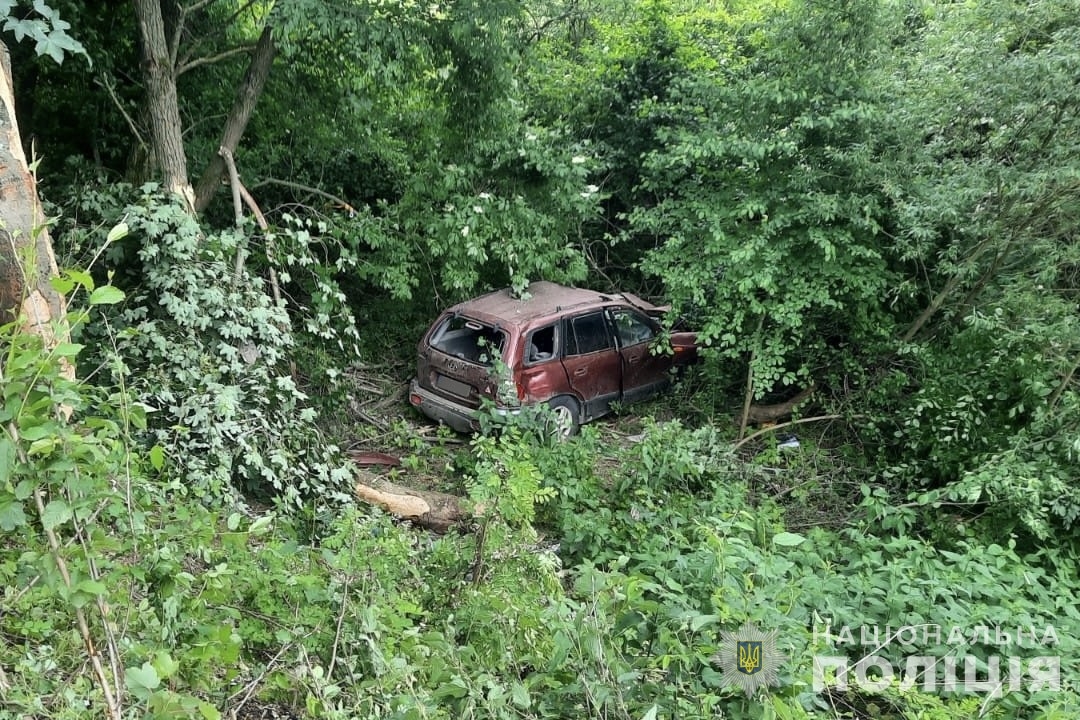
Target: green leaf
pixel 82 278
pixel 56 513
pixel 36 432
pixel 61 284
pixel 119 232
pixel 67 349
pixel 142 680
pixel 701 621
pixel 11 516
pixel 519 694
pixel 92 587
pixel 106 295
pixel 651 715
pixel 164 664
pixel 787 539
pixel 157 457
pixel 261 525
pixel 7 459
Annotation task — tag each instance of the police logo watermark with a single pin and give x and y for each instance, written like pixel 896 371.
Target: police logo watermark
pixel 749 658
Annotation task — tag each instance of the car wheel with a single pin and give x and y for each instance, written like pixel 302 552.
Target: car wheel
pixel 565 417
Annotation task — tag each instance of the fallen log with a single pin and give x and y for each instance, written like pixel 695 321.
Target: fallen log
pixel 433 510
pixel 758 414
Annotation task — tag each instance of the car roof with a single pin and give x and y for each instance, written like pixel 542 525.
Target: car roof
pixel 544 299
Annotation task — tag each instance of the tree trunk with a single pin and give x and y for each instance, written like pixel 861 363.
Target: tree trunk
pixel 432 510
pixel 160 77
pixel 771 413
pixel 246 98
pixel 26 256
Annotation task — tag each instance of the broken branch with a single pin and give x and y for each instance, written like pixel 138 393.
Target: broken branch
pixel 306 188
pixel 772 428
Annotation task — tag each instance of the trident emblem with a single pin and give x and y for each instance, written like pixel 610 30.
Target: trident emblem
pixel 749 662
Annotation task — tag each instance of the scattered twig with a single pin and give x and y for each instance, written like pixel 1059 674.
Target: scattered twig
pixel 337 629
pixel 249 689
pixel 800 421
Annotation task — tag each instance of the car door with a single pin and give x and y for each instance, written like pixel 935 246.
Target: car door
pixel 643 373
pixel 592 362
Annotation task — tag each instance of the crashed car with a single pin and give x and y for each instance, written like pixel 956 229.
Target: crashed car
pixel 578 351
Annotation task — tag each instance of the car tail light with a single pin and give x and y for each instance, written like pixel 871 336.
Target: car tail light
pixel 415 399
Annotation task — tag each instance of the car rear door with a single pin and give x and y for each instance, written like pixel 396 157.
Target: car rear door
pixel 592 362
pixel 456 359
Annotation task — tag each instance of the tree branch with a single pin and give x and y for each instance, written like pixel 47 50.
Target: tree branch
pixel 939 299
pixel 220 28
pixel 749 397
pixel 306 188
pixel 210 59
pixel 275 288
pixel 789 423
pixel 238 211
pixel 100 82
pixel 772 413
pixel 1053 401
pixel 246 97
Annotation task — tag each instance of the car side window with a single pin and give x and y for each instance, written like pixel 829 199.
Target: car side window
pixel 631 328
pixel 587 334
pixel 541 345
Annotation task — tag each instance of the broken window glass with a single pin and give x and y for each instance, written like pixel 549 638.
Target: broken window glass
pixel 588 334
pixel 631 328
pixel 541 345
pixel 469 340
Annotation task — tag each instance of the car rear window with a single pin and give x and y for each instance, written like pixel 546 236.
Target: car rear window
pixel 469 340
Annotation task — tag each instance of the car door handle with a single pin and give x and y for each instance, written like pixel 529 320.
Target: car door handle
pixel 633 359
pixel 581 371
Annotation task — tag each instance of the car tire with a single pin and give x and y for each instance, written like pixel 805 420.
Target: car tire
pixel 566 417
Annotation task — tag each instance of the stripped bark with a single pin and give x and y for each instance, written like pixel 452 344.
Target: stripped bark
pixel 26 257
pixel 756 414
pixel 432 510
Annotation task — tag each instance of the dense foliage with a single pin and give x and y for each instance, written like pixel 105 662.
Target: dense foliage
pixel 875 199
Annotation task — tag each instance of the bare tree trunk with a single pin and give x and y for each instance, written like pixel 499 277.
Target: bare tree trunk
pixel 246 98
pixel 165 125
pixel 432 510
pixel 26 256
pixel 771 413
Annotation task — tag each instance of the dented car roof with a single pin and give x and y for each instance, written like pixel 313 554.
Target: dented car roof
pixel 543 299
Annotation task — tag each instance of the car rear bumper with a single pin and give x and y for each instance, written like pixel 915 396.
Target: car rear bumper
pixel 447 412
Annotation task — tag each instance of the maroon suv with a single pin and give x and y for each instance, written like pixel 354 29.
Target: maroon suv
pixel 577 350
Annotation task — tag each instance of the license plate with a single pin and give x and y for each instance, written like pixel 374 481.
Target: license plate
pixel 455 387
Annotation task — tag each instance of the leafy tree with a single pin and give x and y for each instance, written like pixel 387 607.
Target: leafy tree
pixel 766 214
pixel 984 223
